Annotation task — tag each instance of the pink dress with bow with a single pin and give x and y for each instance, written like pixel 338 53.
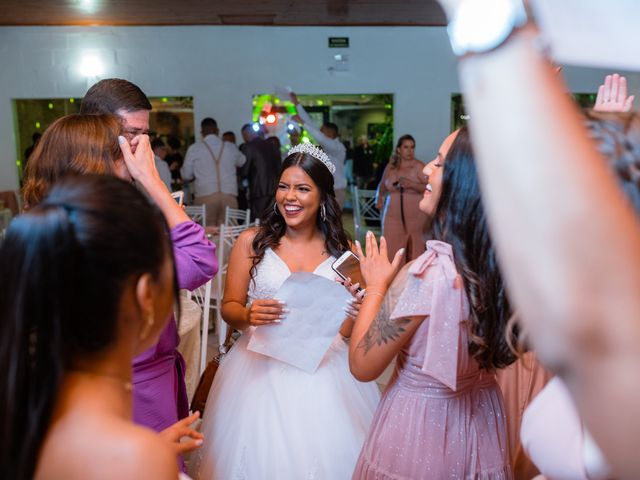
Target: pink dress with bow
pixel 441 417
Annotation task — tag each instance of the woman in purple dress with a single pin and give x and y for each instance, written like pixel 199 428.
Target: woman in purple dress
pixel 81 144
pixel 442 415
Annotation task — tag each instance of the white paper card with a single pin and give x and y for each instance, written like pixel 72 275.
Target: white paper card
pixel 306 333
pixel 592 33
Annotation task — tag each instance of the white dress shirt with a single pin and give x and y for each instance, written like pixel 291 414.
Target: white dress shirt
pixel 164 171
pixel 333 147
pixel 199 166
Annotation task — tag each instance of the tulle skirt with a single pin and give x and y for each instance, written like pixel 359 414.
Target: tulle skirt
pixel 268 420
pixel 423 431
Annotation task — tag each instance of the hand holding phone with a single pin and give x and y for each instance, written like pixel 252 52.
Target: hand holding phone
pixel 348 267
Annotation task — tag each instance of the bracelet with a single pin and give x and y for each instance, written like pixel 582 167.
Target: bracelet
pixel 366 293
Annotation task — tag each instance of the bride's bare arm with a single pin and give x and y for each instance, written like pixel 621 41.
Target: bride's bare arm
pixel 234 309
pixel 568 241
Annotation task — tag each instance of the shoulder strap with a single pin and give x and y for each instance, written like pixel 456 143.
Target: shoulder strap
pixel 216 162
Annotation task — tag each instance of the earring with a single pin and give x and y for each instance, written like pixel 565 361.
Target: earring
pixel 323 213
pixel 275 209
pixel 144 333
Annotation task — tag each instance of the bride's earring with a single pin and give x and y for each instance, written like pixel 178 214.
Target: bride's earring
pixel 323 213
pixel 275 209
pixel 146 328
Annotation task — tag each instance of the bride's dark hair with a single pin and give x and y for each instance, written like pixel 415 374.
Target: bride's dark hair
pixel 272 225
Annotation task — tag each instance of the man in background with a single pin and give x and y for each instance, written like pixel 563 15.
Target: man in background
pixel 261 170
pixel 211 164
pixel 159 156
pixel 229 137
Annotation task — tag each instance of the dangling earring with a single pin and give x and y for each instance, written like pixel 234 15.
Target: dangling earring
pixel 323 213
pixel 275 209
pixel 144 333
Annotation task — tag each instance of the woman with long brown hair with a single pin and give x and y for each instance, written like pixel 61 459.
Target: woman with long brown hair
pixel 81 144
pixel 399 192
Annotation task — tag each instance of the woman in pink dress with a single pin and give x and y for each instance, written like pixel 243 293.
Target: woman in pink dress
pixel 442 415
pixel 404 225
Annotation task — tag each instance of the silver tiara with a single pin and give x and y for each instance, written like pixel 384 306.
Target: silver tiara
pixel 315 152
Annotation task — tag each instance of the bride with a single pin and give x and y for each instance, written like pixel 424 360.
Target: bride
pixel 266 419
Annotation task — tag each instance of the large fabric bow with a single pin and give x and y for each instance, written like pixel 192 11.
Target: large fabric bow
pixel 437 295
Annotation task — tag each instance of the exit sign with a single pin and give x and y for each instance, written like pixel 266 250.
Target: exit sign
pixel 338 42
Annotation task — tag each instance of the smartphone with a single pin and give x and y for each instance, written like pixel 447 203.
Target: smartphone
pixel 348 266
pixel 178 197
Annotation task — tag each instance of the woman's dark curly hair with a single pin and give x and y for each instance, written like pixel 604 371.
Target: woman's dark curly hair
pixel 460 221
pixel 272 225
pixel 618 138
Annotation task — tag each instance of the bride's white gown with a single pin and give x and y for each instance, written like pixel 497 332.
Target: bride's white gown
pixel 268 420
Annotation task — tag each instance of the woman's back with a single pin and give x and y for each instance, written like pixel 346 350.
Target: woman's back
pixel 66 404
pixel 84 441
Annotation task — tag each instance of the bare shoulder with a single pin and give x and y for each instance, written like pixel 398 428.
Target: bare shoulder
pixel 134 453
pixel 146 455
pixel 105 449
pixel 245 239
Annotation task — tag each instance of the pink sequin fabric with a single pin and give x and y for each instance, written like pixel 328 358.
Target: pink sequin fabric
pixel 441 417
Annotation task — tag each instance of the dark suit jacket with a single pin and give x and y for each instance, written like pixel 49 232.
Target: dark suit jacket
pixel 262 167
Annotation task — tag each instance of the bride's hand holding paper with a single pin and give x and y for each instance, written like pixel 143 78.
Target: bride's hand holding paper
pixel 317 311
pixel 266 312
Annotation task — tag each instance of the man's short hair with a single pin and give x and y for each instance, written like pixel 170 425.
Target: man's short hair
pixel 247 126
pixel 156 143
pixel 209 124
pixel 332 127
pixel 113 94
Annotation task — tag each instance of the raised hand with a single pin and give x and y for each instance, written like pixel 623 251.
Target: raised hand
pixel 377 271
pixel 140 163
pixel 612 95
pixel 175 434
pixel 266 312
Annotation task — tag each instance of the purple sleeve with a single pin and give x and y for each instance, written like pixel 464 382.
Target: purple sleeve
pixel 194 254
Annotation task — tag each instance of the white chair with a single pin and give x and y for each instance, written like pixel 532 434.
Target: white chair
pixel 202 296
pixel 226 239
pixel 235 216
pixel 365 214
pixel 197 213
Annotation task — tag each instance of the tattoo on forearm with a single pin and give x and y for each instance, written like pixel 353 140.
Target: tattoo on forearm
pixel 383 330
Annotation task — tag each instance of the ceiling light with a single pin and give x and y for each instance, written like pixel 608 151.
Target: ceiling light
pixel 91 66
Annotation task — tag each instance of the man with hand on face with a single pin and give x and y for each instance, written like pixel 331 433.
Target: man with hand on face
pixel 124 99
pixel 158 382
